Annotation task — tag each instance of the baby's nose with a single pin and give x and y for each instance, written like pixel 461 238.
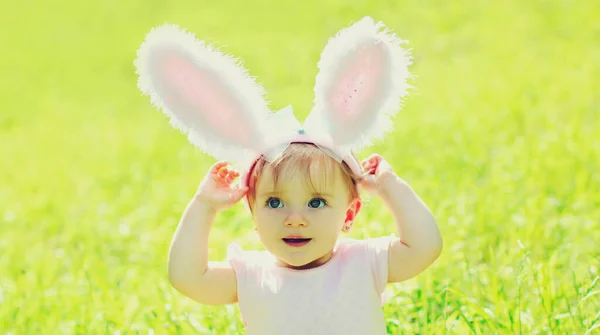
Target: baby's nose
pixel 295 220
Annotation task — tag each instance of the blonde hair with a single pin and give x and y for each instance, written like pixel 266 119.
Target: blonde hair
pixel 307 158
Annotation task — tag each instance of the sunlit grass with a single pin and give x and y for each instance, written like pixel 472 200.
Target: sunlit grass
pixel 499 139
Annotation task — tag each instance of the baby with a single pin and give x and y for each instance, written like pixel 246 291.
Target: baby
pixel 308 281
pixel 302 185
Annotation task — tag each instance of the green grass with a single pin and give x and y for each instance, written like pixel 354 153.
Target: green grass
pixel 500 139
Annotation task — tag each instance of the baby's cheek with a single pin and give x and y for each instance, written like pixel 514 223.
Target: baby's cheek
pixel 320 213
pixel 329 219
pixel 264 219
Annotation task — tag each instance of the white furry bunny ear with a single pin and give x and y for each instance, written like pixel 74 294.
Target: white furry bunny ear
pixel 204 92
pixel 363 73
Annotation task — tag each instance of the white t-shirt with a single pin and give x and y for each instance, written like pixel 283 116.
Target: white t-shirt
pixel 342 296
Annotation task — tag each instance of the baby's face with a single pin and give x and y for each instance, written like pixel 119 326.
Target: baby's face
pixel 296 224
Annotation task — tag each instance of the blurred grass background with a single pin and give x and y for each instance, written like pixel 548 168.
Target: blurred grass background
pixel 499 138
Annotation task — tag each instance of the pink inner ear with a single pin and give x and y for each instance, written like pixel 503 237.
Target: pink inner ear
pixel 358 83
pixel 198 98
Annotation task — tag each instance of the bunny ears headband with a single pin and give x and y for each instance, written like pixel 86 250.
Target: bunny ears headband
pixel 212 99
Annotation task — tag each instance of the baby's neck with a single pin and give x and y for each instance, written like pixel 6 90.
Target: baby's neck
pixel 314 264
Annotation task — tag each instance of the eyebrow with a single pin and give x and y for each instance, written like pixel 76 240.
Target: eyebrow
pixel 319 194
pixel 264 194
pixel 278 193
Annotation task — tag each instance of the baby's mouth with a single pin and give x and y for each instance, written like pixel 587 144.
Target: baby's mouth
pixel 296 242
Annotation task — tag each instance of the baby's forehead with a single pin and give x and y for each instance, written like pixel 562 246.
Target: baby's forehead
pixel 311 179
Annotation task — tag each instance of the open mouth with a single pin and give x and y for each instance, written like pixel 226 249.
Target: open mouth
pixel 297 242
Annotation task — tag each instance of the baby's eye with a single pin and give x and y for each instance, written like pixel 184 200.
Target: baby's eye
pixel 274 203
pixel 317 203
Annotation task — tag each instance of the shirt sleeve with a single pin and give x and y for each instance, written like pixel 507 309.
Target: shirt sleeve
pixel 247 265
pixel 241 262
pixel 235 257
pixel 377 254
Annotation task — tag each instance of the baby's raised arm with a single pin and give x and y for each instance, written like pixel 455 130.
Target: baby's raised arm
pixel 188 268
pixel 419 242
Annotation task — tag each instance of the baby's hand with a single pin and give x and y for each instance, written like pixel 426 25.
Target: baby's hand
pixel 375 173
pixel 216 188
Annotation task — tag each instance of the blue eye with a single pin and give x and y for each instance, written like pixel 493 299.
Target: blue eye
pixel 317 203
pixel 274 203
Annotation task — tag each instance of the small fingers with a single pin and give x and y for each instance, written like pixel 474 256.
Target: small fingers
pixel 227 175
pixel 372 159
pixel 366 164
pixel 370 164
pixel 217 166
pixel 368 167
pixel 231 176
pixel 225 172
pixel 375 159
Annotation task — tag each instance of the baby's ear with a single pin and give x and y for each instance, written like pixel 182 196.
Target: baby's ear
pixel 363 73
pixel 358 206
pixel 205 93
pixel 353 209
